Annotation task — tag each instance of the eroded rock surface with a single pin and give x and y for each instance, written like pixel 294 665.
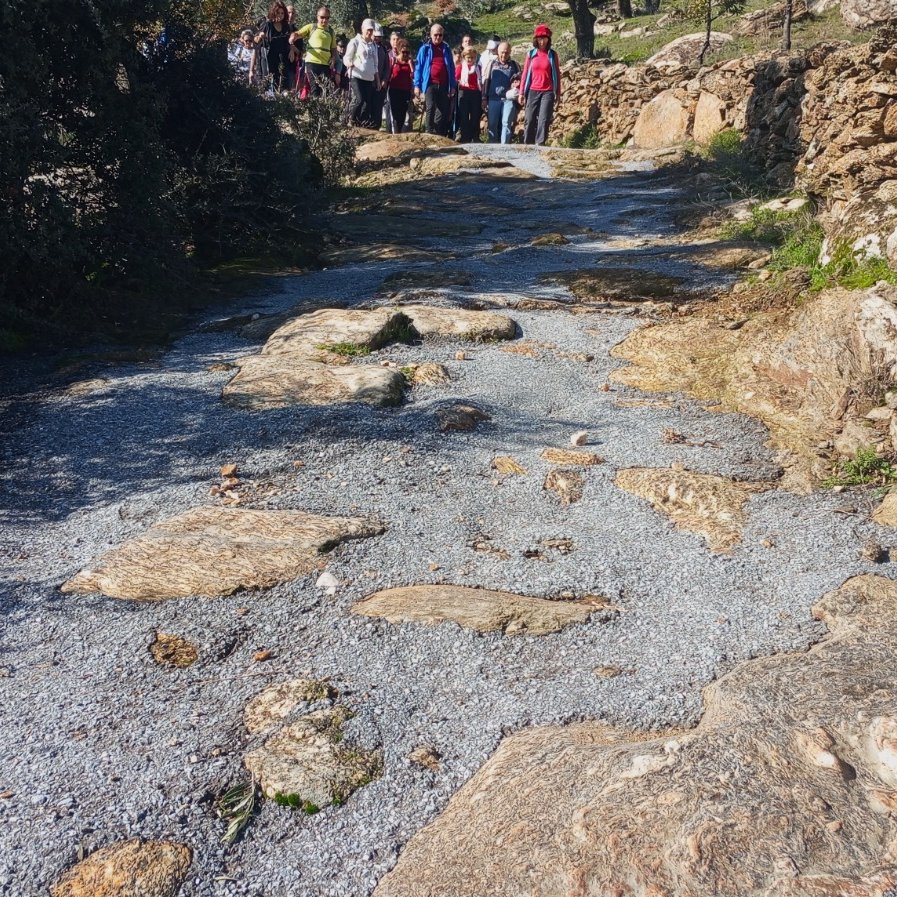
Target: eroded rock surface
pixel 277 702
pixel 132 868
pixel 308 359
pixel 481 609
pixel 710 506
pixel 806 373
pixel 788 786
pixel 216 551
pixel 307 764
pixel 168 649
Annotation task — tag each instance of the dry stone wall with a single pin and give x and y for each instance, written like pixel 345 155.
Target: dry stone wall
pixel 824 119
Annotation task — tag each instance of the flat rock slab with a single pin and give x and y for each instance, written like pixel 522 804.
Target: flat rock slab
pixel 381 252
pixel 132 868
pixel 786 788
pixel 273 705
pixel 618 284
pixel 480 609
pixel 171 650
pixel 216 551
pixel 307 765
pixel 708 505
pixel 886 513
pixel 307 360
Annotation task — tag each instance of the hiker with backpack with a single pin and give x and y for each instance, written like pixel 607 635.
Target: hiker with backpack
pixel 540 86
pixel 320 50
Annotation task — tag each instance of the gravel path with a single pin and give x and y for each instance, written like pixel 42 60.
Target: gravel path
pixel 97 743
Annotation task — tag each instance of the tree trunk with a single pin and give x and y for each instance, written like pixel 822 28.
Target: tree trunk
pixel 583 27
pixel 708 24
pixel 652 6
pixel 786 31
pixel 624 7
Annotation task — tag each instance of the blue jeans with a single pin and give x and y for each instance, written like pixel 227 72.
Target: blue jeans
pixel 501 117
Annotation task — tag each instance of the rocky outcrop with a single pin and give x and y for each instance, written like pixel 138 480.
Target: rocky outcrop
pixel 217 551
pixel 770 19
pixel 684 52
pixel 134 868
pixel 308 359
pixel 663 121
pixel 810 373
pixel 868 13
pixel 787 787
pixel 480 609
pixel 710 506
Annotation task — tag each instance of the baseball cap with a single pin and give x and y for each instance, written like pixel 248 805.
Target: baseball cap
pixel 542 31
pixel 491 44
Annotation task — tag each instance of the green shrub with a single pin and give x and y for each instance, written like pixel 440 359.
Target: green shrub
pixel 867 467
pixel 584 137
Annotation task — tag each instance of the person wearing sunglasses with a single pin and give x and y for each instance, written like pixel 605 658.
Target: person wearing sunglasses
pixel 434 78
pixel 400 83
pixel 320 49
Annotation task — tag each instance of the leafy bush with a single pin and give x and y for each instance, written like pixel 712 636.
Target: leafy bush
pixel 867 467
pixel 128 162
pixel 584 137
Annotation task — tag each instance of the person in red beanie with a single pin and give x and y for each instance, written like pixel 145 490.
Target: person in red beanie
pixel 540 86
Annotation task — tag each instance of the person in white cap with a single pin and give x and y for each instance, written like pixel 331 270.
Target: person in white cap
pixel 362 67
pixel 488 56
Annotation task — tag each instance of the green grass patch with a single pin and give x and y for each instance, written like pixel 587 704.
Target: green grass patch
pixel 866 468
pixel 296 802
pixel 347 350
pixel 585 137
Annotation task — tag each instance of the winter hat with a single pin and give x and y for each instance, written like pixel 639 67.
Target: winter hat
pixel 367 23
pixel 542 31
pixel 491 44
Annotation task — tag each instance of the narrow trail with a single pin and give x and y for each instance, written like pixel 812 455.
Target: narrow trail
pixel 98 743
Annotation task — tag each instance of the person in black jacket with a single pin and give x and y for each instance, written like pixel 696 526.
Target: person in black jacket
pixel 277 39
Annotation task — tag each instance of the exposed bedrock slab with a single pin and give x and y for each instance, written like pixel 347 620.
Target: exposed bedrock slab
pixel 481 609
pixel 788 786
pixel 132 868
pixel 273 705
pixel 308 360
pixel 216 551
pixel 307 764
pixel 700 503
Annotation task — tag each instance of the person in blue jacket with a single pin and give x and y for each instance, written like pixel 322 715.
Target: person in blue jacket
pixel 434 77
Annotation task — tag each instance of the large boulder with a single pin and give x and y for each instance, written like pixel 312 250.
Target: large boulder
pixel 683 52
pixel 710 117
pixel 868 13
pixel 661 122
pixel 786 788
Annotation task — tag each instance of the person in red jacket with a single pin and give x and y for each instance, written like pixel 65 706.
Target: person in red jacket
pixel 540 86
pixel 400 84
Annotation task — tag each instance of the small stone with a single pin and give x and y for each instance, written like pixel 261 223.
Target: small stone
pixel 882 412
pixel 891 399
pixel 261 656
pixel 608 671
pixel 764 275
pixel 427 756
pixel 172 650
pixel 433 567
pixel 580 437
pixel 242 611
pixel 768 543
pixel 834 826
pixel 328 582
pixel 460 355
pixel 228 470
pixel 874 552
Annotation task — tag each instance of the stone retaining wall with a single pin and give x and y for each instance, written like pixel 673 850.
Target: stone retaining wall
pixel 824 119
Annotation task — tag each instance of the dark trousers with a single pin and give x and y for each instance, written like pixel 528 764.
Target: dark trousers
pixel 282 71
pixel 317 75
pixel 361 105
pixel 398 104
pixel 377 102
pixel 539 112
pixel 437 100
pixel 470 110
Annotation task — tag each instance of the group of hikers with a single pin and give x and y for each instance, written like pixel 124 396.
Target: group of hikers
pixel 380 80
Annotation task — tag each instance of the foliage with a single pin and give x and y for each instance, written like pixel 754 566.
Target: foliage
pixel 296 802
pixel 584 137
pixel 347 350
pixel 236 807
pixel 728 159
pixel 132 160
pixel 866 468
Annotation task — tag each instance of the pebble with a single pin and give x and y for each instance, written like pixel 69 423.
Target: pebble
pixel 580 437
